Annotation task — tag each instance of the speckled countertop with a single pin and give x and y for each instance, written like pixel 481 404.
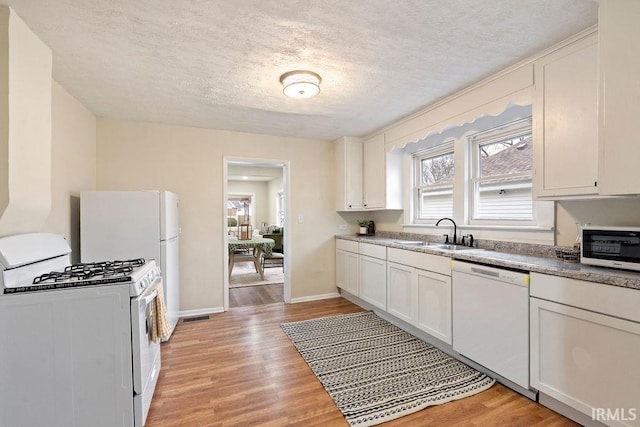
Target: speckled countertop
pixel 534 258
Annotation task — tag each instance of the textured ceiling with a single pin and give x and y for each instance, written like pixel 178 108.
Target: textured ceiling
pixel 216 64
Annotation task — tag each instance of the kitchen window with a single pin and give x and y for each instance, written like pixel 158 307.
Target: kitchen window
pixel 434 178
pixel 489 191
pixel 500 185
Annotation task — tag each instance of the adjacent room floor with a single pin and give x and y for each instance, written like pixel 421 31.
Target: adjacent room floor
pixel 246 287
pixel 238 369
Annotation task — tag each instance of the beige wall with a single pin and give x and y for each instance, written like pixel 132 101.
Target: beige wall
pixel 275 186
pixel 25 127
pixel 189 161
pixel 610 212
pixel 73 164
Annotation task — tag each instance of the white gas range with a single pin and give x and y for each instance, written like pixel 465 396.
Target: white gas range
pixel 78 343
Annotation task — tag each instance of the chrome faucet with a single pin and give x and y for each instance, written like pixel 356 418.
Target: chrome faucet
pixel 455 229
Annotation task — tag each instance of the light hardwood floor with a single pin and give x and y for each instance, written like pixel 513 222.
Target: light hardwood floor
pixel 255 295
pixel 239 369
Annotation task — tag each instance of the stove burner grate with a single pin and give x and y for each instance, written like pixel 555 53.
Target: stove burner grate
pixel 87 271
pixel 84 274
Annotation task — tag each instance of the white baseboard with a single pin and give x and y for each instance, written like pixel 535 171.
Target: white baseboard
pixel 315 297
pixel 200 312
pixel 567 411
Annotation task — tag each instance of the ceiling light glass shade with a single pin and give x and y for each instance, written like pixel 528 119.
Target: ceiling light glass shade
pixel 300 84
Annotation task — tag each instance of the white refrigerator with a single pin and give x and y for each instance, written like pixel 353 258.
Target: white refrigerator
pixel 118 225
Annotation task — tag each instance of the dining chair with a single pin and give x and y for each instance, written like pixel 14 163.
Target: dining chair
pixel 276 259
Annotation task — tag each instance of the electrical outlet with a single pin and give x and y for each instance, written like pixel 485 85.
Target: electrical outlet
pixel 343 226
pixel 300 219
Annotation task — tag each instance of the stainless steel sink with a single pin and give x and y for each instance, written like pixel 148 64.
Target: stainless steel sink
pixel 437 246
pixel 449 247
pixel 413 243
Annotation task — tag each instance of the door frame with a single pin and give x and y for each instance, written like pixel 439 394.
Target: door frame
pixel 286 179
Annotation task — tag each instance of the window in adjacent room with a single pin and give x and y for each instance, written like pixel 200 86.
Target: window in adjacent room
pixel 501 182
pixel 434 177
pixel 240 207
pixel 280 208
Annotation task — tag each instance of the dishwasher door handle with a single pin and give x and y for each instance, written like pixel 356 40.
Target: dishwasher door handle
pixel 490 273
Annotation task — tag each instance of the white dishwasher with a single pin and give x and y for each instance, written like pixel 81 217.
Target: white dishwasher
pixel 491 318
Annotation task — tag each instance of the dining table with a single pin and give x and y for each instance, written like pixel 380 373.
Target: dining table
pixel 256 246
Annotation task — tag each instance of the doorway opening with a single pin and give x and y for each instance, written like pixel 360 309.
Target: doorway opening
pixel 255 238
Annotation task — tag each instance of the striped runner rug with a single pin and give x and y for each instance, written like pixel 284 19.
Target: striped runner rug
pixel 376 372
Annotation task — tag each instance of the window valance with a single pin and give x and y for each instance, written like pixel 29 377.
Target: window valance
pixel 489 97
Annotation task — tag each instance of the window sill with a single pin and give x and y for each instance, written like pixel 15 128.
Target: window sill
pixel 532 228
pixel 508 233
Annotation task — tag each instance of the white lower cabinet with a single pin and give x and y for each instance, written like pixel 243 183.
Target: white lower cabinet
pixel 433 302
pixel 587 358
pixel 347 265
pixel 361 270
pixel 373 281
pixel 417 293
pixel 347 271
pixel 401 291
pixel 411 286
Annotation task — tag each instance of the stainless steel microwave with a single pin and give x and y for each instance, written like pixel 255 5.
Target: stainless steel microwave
pixel 617 247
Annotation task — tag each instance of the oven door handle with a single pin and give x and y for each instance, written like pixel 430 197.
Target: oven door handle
pixel 151 297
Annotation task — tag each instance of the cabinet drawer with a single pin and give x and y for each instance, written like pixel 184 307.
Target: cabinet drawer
pixel 429 262
pixel 612 300
pixel 375 251
pixel 347 245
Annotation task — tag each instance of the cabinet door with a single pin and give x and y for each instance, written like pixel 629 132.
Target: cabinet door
pixel 347 271
pixel 585 360
pixel 374 176
pixel 354 175
pixel 348 174
pixel 566 120
pixel 619 96
pixel 433 312
pixel 400 291
pixel 373 281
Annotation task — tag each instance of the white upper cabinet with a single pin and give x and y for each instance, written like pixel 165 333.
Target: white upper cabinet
pixel 565 111
pixel 374 173
pixel 367 177
pixel 619 34
pixel 382 175
pixel 349 174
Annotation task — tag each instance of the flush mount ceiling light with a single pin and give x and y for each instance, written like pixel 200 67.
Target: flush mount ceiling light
pixel 300 84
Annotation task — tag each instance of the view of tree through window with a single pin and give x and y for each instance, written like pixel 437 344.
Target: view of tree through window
pixel 437 170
